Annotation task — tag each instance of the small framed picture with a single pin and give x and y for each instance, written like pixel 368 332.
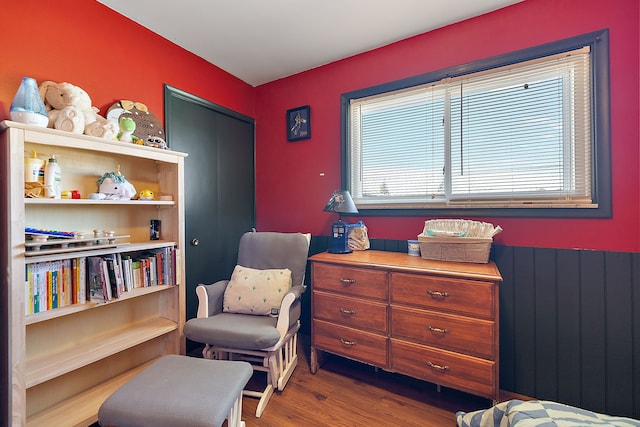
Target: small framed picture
pixel 299 123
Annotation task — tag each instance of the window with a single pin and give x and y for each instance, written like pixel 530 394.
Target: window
pixel 522 132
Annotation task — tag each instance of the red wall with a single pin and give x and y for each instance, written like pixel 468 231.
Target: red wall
pixel 112 58
pixel 305 173
pixel 108 55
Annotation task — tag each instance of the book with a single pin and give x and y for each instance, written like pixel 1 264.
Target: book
pixel 136 273
pixel 113 281
pixel 79 280
pixel 126 272
pixel 95 281
pixel 106 281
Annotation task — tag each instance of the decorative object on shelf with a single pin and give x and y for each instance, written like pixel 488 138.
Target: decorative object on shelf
pixel 27 106
pixel 154 229
pixel 145 195
pixel 340 202
pixel 69 109
pixel 114 186
pixel 148 128
pixel 299 123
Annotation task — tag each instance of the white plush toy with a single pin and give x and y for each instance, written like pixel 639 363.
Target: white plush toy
pixel 69 108
pixel 114 186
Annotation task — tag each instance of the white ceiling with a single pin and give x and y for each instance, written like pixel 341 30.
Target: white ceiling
pixel 260 41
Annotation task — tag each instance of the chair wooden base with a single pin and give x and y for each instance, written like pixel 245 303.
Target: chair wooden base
pixel 278 362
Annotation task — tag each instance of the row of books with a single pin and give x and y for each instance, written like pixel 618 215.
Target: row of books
pixel 53 284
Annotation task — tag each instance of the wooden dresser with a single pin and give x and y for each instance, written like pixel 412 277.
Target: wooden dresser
pixel 432 320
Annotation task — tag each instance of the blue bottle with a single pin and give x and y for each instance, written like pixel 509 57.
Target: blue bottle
pixel 27 106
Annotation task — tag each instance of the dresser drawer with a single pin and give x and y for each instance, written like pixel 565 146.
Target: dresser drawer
pixel 350 311
pixel 448 331
pixel 349 342
pixel 362 282
pixel 466 373
pixel 441 293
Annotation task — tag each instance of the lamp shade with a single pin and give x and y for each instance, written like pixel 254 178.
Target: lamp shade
pixel 341 202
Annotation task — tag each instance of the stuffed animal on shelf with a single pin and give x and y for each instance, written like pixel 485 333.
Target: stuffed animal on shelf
pixel 148 128
pixel 69 109
pixel 127 127
pixel 114 186
pixel 145 195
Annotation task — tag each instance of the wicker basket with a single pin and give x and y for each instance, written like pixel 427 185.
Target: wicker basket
pixel 459 249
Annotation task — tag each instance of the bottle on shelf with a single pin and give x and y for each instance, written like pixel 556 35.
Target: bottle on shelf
pixel 53 179
pixel 33 169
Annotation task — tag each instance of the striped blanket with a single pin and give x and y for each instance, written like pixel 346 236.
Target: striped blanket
pixel 538 413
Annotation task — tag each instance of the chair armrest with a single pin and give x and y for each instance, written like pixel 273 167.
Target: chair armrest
pixel 297 291
pixel 210 298
pixel 289 301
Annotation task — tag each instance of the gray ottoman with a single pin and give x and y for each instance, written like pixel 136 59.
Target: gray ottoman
pixel 179 391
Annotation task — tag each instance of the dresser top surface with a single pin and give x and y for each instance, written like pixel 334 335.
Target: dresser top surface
pixel 401 262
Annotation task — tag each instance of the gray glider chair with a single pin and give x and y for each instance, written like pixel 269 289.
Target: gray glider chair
pixel 254 316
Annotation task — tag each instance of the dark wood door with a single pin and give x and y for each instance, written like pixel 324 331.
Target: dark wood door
pixel 219 185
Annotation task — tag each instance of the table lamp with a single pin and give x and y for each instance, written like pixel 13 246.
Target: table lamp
pixel 340 202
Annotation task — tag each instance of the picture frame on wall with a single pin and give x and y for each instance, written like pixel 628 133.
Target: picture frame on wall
pixel 299 123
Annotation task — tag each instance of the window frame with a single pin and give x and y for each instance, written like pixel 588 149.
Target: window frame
pixel 598 42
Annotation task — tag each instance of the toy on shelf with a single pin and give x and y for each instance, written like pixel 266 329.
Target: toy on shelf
pixel 56 233
pixel 114 186
pixel 127 127
pixel 145 195
pixel 148 129
pixel 69 109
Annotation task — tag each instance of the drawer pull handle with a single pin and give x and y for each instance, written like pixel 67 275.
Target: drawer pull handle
pixel 438 294
pixel 347 282
pixel 438 367
pixel 438 330
pixel 345 342
pixel 345 311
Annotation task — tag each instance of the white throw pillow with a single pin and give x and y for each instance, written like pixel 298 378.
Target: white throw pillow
pixel 252 291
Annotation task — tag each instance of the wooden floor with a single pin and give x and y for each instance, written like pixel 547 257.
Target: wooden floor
pixel 347 393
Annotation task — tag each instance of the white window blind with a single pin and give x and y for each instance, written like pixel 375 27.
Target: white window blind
pixel 514 136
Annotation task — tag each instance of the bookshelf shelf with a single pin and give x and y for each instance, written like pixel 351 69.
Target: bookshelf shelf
pixel 89 305
pixel 64 359
pixel 94 250
pixel 81 410
pixel 102 203
pixel 92 349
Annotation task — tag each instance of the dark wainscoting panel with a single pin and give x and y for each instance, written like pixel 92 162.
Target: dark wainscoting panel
pixel 569 324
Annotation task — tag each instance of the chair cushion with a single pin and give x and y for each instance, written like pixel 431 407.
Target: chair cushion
pixel 254 291
pixel 240 331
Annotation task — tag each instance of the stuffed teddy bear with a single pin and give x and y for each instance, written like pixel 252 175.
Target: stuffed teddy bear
pixel 69 109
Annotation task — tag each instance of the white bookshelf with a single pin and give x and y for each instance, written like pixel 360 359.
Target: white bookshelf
pixel 64 362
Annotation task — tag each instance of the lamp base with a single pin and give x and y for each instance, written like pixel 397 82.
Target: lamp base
pixel 339 241
pixel 336 251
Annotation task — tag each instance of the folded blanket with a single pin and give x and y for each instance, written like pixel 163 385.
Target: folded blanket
pixel 539 413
